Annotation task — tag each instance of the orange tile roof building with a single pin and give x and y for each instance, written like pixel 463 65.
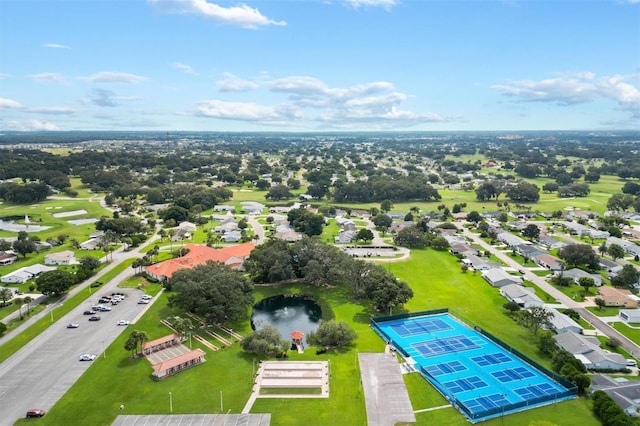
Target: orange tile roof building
pixel 232 256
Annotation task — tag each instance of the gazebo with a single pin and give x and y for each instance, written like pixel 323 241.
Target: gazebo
pixel 296 338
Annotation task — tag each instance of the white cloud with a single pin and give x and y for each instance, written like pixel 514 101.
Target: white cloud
pixel 240 15
pixel 9 104
pixel 387 4
pixel 232 83
pixel 183 67
pixel 31 125
pixel 575 88
pixel 113 77
pixel 4 75
pixel 48 77
pixel 372 105
pixel 57 46
pixel 52 110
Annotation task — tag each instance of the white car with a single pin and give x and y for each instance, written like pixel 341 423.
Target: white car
pixel 87 357
pixel 105 309
pixel 73 325
pixel 123 322
pixel 143 302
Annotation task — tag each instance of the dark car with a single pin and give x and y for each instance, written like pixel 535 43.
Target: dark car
pixel 94 318
pixel 91 312
pixel 36 412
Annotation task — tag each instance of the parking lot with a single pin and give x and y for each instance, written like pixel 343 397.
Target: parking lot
pixel 44 369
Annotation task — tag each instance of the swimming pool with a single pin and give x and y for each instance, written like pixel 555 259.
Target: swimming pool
pixel 480 377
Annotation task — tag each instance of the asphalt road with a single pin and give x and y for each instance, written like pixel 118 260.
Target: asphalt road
pixel 43 370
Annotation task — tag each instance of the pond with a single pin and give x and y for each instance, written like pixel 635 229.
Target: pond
pixel 287 313
pixel 11 226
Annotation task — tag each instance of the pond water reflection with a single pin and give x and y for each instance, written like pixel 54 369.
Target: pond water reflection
pixel 287 313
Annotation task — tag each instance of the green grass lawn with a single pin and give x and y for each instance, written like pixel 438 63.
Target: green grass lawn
pixel 631 333
pixel 604 312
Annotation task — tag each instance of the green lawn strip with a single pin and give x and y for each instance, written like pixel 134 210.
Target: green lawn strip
pixel 422 397
pixel 605 312
pixel 13 345
pixel 632 334
pixel 330 230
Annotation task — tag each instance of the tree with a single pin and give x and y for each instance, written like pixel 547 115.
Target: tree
pixel 576 255
pixel 306 222
pixel 213 291
pixel 547 344
pixel 5 295
pixel 616 251
pixel 382 222
pixel 386 206
pixel 278 192
pixel 411 237
pixel 600 303
pixel 586 283
pixel 511 306
pixel 550 187
pixel 182 326
pixel 534 318
pixel 54 283
pixel 439 243
pixel 263 184
pixel 24 247
pixel 474 217
pixel 332 334
pixel 135 341
pixel 27 301
pixel 619 202
pixel 531 232
pixel 524 192
pixel 266 341
pixel 364 235
pixel 90 263
pixel 602 248
pixel 627 277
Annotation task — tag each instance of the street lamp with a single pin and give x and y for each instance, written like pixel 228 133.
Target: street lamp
pixel 170 403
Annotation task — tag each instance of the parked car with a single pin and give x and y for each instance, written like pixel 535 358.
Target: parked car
pixel 87 357
pixel 143 302
pixel 105 308
pixel 123 322
pixel 146 297
pixel 90 312
pixel 73 325
pixel 36 412
pixel 94 318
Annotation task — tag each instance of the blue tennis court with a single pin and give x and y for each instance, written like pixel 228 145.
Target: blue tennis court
pixel 480 378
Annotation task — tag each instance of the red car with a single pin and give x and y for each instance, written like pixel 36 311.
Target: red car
pixel 36 412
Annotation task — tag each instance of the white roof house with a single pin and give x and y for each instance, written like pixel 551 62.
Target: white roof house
pixel 524 296
pixel 561 323
pixel 252 207
pixel 66 257
pixel 630 315
pixel 497 277
pixel 575 274
pixel 587 350
pixel 188 226
pixel 26 273
pixel 510 239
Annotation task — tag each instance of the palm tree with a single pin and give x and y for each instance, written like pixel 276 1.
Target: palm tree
pixel 27 301
pixel 19 303
pixel 5 295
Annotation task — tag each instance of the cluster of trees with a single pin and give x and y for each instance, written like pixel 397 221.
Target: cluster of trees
pixel 305 221
pixel 415 186
pixel 630 197
pixel 121 226
pixel 267 342
pixel 24 194
pixel 579 255
pixel 609 413
pixel 135 341
pixel 212 291
pixel 416 237
pixel 520 192
pixel 57 282
pixel 321 264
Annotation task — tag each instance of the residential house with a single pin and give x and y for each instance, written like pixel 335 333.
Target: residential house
pixel 550 243
pixel 22 275
pixel 629 247
pixel 525 297
pixel 180 234
pixel 232 236
pixel 187 226
pixel 224 208
pixel 42 245
pixel 7 258
pixel 91 244
pixel 561 323
pixel 227 225
pixel 497 277
pixel 345 236
pixel 399 226
pixel 547 261
pixel 617 297
pixel 610 266
pixel 510 239
pixel 624 392
pixel 575 274
pixel 587 350
pixel 462 249
pixel 479 264
pixel 66 257
pixel 252 207
pixel 630 315
pixel 289 235
pixel 232 256
pixel 528 250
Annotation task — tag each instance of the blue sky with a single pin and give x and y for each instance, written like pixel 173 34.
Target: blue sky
pixel 319 65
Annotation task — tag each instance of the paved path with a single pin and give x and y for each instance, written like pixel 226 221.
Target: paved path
pixel 592 319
